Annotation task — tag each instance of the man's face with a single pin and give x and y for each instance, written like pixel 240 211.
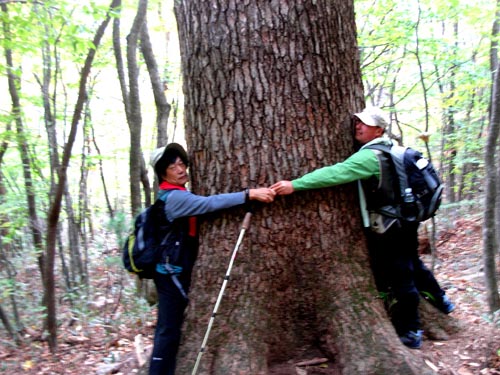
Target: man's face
pixel 176 174
pixel 365 133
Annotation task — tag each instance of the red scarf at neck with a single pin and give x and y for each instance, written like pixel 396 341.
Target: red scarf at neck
pixel 164 185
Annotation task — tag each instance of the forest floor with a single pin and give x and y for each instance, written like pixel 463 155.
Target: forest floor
pixel 475 349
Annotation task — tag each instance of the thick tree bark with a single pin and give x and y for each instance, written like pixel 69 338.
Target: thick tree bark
pixel 269 89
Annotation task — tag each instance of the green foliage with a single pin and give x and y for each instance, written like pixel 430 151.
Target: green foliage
pixel 388 299
pixel 136 307
pixel 172 73
pixel 120 225
pixel 7 287
pixel 113 262
pixel 493 318
pixel 23 286
pixel 48 41
pixel 455 70
pixel 428 61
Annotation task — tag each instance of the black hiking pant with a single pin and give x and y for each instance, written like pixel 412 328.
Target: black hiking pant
pixel 400 274
pixel 171 306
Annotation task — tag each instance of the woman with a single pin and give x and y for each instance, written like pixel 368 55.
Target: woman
pixel 181 208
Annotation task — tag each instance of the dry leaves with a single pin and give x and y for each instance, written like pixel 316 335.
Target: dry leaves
pixel 101 350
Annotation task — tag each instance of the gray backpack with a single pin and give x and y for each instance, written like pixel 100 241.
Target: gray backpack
pixel 420 188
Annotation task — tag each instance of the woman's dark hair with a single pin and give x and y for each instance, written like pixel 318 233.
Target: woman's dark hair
pixel 169 157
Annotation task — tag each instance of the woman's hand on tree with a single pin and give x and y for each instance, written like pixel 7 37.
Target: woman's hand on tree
pixel 265 195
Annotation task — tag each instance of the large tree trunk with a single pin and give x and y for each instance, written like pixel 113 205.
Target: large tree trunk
pixel 269 88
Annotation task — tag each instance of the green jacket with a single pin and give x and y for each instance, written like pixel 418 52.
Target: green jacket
pixel 360 166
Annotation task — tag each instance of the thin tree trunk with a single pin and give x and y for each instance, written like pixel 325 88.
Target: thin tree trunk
pixel 138 169
pixel 131 100
pixel 9 269
pixel 490 237
pixel 497 207
pixel 494 68
pixel 111 211
pixel 5 249
pixel 14 83
pixel 8 327
pixel 120 65
pixel 137 165
pixel 65 270
pixel 162 105
pixel 426 130
pixel 83 202
pixel 55 208
pixel 490 245
pixel 74 252
pixel 450 129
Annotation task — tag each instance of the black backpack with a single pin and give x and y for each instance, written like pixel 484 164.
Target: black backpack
pixel 420 188
pixel 144 245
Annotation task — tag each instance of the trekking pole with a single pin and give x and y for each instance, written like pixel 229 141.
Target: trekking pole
pixel 244 227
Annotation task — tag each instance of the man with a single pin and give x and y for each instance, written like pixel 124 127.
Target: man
pixel 181 208
pixel 392 243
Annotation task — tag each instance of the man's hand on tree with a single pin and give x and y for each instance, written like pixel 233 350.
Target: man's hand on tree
pixel 283 187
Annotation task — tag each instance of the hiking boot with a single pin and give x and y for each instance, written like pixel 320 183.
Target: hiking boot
pixel 412 339
pixel 442 303
pixel 446 305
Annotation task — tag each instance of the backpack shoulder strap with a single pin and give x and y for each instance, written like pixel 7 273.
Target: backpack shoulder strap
pixel 397 156
pixel 380 147
pixel 164 195
pixel 163 199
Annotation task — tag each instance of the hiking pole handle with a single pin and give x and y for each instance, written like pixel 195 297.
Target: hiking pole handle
pixel 246 221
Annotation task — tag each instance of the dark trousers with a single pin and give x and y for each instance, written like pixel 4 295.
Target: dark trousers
pixel 171 306
pixel 400 274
